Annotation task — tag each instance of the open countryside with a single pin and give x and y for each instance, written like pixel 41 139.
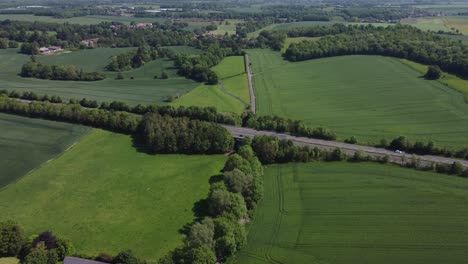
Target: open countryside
pixel 233 131
pixel 381 91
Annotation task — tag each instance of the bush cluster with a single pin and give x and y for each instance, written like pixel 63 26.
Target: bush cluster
pixel 58 72
pixel 44 248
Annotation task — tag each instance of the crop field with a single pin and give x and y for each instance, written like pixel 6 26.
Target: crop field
pixel 85 20
pixel 369 97
pixel 106 196
pixel 345 213
pixel 230 95
pixel 427 23
pixel 27 143
pixel 447 24
pixel 143 88
pixel 450 80
pixel 447 8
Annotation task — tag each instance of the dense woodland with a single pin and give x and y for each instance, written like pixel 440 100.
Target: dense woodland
pixel 398 41
pixel 58 72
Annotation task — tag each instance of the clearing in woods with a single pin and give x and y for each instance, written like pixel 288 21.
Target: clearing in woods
pixel 143 88
pixel 230 95
pixel 105 196
pixel 345 213
pixel 26 143
pixel 369 97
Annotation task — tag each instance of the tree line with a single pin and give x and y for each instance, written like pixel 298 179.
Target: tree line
pixel 38 70
pixel 397 41
pixel 165 134
pixel 188 136
pixel 135 59
pixel 286 125
pixel 270 150
pixel 220 231
pixel 402 143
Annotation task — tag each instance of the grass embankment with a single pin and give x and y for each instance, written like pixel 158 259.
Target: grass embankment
pixel 106 196
pixel 448 79
pixel 230 95
pixel 344 213
pixel 142 89
pixel 26 143
pixel 369 97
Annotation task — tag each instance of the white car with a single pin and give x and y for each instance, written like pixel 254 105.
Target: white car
pixel 399 151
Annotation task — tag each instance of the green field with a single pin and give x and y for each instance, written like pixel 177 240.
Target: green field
pixel 142 89
pixel 341 213
pixel 106 196
pixel 447 8
pixel 230 29
pixel 85 20
pixel 368 97
pixel 450 80
pixel 447 24
pixel 27 143
pixel 9 261
pixel 230 95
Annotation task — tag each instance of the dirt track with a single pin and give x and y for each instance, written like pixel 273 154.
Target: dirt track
pixel 253 103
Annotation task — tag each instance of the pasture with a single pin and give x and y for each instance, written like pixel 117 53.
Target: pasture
pixel 369 97
pixel 143 88
pixel 289 41
pixel 105 196
pixel 345 213
pixel 9 261
pixel 27 143
pixel 230 95
pixel 84 20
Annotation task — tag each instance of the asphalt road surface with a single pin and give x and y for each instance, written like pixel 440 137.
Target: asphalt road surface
pixel 349 149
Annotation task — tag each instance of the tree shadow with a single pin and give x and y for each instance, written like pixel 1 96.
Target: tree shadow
pixel 139 145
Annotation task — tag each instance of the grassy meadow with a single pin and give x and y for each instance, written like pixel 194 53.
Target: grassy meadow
pixel 106 196
pixel 142 89
pixel 230 95
pixel 369 97
pixel 27 143
pixel 345 213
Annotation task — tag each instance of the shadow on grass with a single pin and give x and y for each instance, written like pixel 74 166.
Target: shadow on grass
pixel 200 208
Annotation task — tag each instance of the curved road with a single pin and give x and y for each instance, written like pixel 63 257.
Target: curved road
pixel 349 149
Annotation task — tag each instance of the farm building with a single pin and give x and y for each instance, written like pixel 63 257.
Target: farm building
pixel 90 43
pixel 50 50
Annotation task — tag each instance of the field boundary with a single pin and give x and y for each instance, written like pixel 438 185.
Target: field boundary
pixel 49 160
